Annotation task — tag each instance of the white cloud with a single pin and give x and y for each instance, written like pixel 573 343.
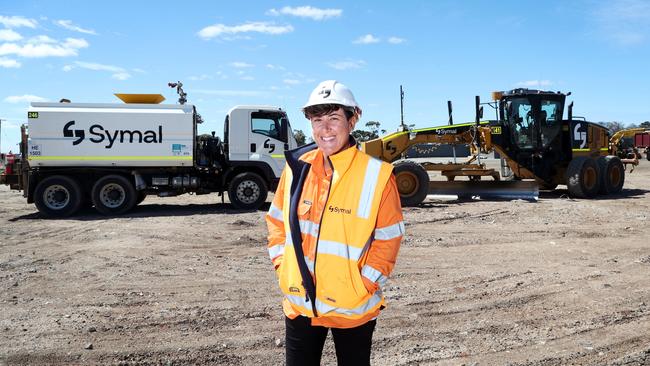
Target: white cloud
pixel 98 67
pixel 9 63
pixel 291 81
pixel 9 35
pixel 247 77
pixel 534 83
pixel 75 43
pixel 200 77
pixel 275 67
pixel 67 24
pixel 121 76
pixel 396 40
pixel 367 39
pixel 17 21
pixel 44 46
pixel 307 12
pixel 119 73
pixel 347 65
pixel 24 99
pixel 41 39
pixel 221 30
pixel 241 65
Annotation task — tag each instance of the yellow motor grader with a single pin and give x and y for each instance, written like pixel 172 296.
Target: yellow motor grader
pixel 541 149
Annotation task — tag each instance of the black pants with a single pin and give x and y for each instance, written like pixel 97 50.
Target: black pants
pixel 304 343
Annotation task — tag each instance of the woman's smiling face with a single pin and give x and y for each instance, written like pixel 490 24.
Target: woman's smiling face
pixel 331 131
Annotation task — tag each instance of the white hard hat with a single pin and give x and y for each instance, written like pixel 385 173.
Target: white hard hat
pixel 332 92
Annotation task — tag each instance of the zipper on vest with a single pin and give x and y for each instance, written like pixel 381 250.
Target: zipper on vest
pixel 320 222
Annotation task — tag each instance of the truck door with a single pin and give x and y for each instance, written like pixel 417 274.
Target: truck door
pixel 269 138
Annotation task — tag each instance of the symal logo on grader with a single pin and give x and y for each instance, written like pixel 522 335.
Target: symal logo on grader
pixel 100 135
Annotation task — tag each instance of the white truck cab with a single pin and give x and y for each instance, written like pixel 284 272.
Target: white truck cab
pixel 258 134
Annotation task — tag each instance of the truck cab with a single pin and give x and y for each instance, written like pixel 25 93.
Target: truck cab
pixel 258 135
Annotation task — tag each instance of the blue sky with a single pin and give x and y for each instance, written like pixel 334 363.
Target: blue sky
pixel 265 52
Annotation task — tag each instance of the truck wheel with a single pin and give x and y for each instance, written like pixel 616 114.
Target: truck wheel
pixel 58 196
pixel 247 191
pixel 583 178
pixel 141 196
pixel 113 195
pixel 412 182
pixel 612 174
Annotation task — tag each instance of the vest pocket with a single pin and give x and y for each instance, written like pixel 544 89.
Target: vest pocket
pixel 339 284
pixel 289 277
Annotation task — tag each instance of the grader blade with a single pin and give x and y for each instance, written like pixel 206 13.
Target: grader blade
pixel 487 190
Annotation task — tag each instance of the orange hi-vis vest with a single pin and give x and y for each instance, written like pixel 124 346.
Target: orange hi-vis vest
pixel 331 283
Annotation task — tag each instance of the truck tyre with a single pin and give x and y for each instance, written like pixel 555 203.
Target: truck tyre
pixel 412 182
pixel 141 196
pixel 113 195
pixel 58 196
pixel 612 173
pixel 247 191
pixel 583 178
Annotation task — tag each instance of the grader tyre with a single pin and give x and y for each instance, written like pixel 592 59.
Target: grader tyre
pixel 583 178
pixel 612 174
pixel 412 182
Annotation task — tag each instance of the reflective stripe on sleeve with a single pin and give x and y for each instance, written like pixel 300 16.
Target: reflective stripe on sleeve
pixel 373 275
pixel 275 213
pixel 390 232
pixel 369 186
pixel 339 249
pixel 276 250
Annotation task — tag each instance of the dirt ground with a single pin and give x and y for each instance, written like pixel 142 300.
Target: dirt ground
pixel 187 280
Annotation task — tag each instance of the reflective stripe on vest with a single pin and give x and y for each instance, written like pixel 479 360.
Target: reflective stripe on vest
pixel 369 186
pixel 309 228
pixel 339 249
pixel 324 309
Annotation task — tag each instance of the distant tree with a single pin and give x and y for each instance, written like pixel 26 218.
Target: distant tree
pixel 614 126
pixel 300 137
pixel 372 131
pixel 645 124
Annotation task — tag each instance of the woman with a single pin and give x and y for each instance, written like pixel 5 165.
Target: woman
pixel 335 228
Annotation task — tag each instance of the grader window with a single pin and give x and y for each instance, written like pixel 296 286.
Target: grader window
pixel 550 120
pixel 520 118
